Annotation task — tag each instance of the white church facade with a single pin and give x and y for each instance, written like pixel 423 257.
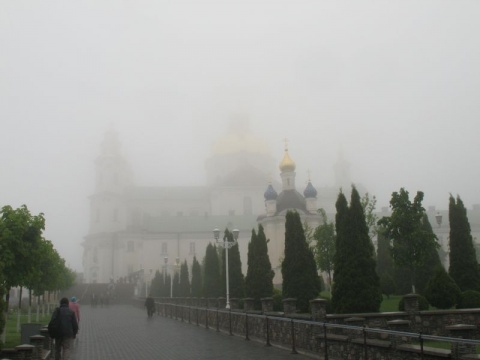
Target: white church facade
pixel 135 229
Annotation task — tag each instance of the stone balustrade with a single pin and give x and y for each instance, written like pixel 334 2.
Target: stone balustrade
pixel 40 348
pixel 352 335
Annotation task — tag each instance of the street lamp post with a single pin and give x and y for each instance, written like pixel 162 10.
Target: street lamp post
pixel 165 261
pixel 438 217
pixel 227 245
pixel 146 283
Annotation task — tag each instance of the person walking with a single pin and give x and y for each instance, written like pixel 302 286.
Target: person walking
pixel 150 305
pixel 68 328
pixel 75 307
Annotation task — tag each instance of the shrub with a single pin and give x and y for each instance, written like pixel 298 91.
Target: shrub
pixel 422 303
pixel 277 300
pixel 442 291
pixel 469 299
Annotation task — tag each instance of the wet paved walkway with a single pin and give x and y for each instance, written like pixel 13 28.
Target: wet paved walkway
pixel 122 332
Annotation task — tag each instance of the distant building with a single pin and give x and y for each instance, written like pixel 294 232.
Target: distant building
pixel 135 230
pixel 139 230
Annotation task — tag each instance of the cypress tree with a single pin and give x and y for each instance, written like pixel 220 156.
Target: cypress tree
pixel 176 284
pixel 196 286
pixel 463 262
pixel 259 280
pixel 432 261
pixel 211 282
pixel 299 271
pixel 357 289
pixel 168 286
pixel 156 285
pixel 184 289
pixel 235 276
pixel 341 265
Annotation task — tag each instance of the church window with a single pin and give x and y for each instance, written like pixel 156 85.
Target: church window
pixel 192 248
pixel 164 248
pixel 130 246
pixel 247 206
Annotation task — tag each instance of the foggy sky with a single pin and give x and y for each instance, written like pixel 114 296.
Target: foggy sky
pixel 392 84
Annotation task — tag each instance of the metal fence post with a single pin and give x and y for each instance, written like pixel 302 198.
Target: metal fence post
pixel 365 349
pixel 421 345
pixel 326 342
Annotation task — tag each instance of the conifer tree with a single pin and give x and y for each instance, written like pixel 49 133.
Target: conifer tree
pixel 196 286
pixel 176 284
pixel 259 280
pixel 341 263
pixel 432 261
pixel 235 276
pixel 184 289
pixel 156 285
pixel 299 271
pixel 356 287
pixel 167 289
pixel 211 283
pixel 463 262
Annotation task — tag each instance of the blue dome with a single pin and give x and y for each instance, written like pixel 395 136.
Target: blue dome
pixel 310 191
pixel 270 193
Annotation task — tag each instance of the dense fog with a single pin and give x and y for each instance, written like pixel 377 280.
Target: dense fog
pixel 393 86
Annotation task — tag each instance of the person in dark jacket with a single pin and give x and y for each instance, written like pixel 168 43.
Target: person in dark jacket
pixel 150 305
pixel 69 329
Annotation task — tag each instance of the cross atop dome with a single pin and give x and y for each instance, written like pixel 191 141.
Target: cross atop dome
pixel 287 164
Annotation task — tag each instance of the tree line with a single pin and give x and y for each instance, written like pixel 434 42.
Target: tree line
pixel 405 259
pixel 27 259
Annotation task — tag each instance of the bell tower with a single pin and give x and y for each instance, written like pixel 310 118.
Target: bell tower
pixel 108 210
pixel 113 176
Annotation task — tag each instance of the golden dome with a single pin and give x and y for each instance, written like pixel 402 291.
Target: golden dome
pixel 232 144
pixel 287 164
pixel 240 139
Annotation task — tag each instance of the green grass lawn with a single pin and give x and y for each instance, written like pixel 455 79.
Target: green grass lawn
pixel 390 304
pixel 13 336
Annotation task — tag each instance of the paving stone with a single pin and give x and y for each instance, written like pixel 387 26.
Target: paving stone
pixel 122 332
